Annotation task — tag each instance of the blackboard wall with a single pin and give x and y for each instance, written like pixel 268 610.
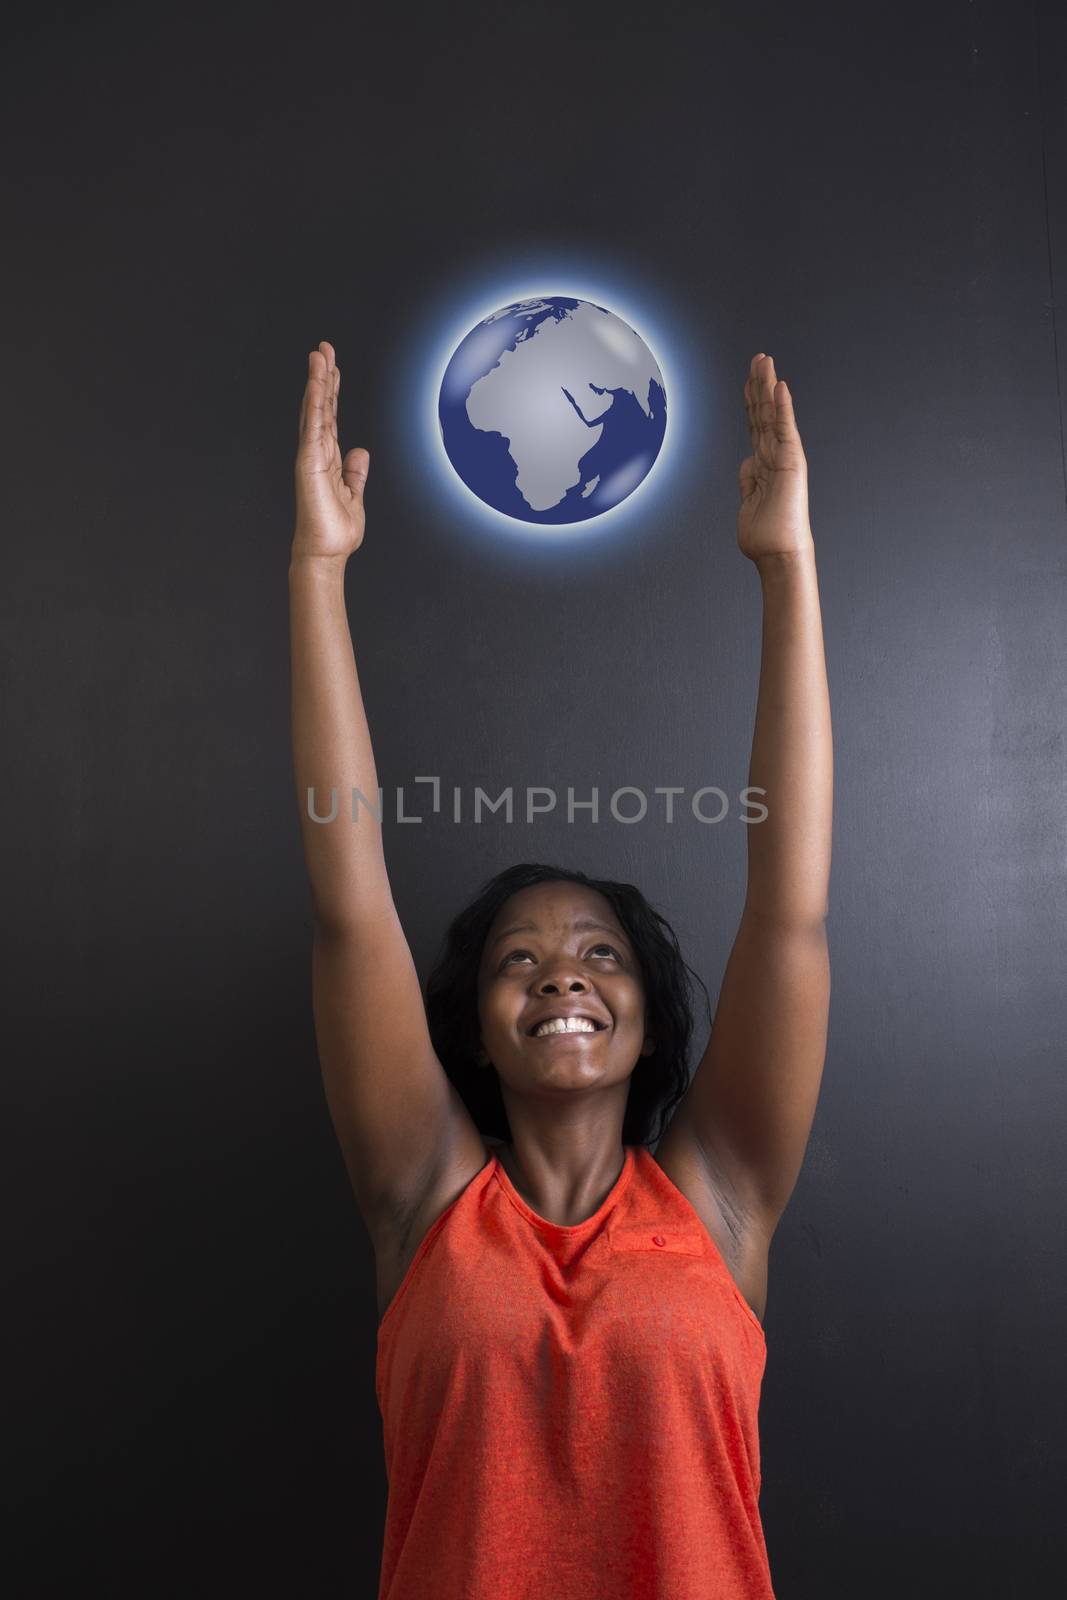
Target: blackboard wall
pixel 876 195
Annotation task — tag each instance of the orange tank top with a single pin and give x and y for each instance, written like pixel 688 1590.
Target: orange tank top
pixel 571 1412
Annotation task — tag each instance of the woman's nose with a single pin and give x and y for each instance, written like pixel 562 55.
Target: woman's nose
pixel 562 980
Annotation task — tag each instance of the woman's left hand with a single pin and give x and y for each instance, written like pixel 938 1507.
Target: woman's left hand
pixel 773 480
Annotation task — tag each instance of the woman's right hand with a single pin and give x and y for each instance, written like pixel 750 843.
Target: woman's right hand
pixel 329 489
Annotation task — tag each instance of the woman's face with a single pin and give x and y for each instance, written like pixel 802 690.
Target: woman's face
pixel 551 966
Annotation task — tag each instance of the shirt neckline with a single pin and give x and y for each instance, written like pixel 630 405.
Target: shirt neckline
pixel 613 1195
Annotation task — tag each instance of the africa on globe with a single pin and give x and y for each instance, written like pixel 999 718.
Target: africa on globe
pixel 552 410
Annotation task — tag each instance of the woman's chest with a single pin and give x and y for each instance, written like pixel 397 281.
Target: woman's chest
pixel 742 1262
pixel 643 1303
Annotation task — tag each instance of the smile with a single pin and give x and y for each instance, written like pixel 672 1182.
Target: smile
pixel 566 1027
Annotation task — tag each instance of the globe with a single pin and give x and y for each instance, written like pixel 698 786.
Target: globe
pixel 552 410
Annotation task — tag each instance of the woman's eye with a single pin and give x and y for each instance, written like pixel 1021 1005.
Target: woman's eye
pixel 609 948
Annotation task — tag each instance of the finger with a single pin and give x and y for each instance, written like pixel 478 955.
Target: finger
pixel 302 423
pixel 314 400
pixel 318 398
pixel 355 468
pixel 765 403
pixel 305 402
pixel 330 405
pixel 785 421
pixel 752 400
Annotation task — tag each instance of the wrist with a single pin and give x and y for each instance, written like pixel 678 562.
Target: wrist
pixel 775 561
pixel 301 560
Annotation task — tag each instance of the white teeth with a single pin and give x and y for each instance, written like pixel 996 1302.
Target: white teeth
pixel 565 1025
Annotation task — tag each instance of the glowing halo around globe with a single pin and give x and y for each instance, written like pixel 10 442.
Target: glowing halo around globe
pixel 552 410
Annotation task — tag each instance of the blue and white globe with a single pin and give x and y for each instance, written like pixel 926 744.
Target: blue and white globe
pixel 552 410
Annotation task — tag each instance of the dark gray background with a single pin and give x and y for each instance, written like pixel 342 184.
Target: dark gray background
pixel 875 194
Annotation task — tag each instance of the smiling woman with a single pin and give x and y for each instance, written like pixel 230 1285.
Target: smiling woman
pixel 570 1349
pixel 551 1273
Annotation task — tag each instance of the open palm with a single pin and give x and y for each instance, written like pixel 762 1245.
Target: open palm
pixel 330 520
pixel 773 480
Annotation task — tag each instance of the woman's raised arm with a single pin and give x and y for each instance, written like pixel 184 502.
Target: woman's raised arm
pixel 751 1102
pixel 397 1117
pixel 332 753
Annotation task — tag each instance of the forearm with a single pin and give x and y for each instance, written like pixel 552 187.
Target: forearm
pixel 332 751
pixel 792 749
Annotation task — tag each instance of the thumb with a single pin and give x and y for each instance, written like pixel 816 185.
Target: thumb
pixel 354 469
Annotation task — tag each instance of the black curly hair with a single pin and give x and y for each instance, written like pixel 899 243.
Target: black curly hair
pixel 659 1080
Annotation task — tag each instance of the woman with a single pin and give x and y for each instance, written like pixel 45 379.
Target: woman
pixel 570 1349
